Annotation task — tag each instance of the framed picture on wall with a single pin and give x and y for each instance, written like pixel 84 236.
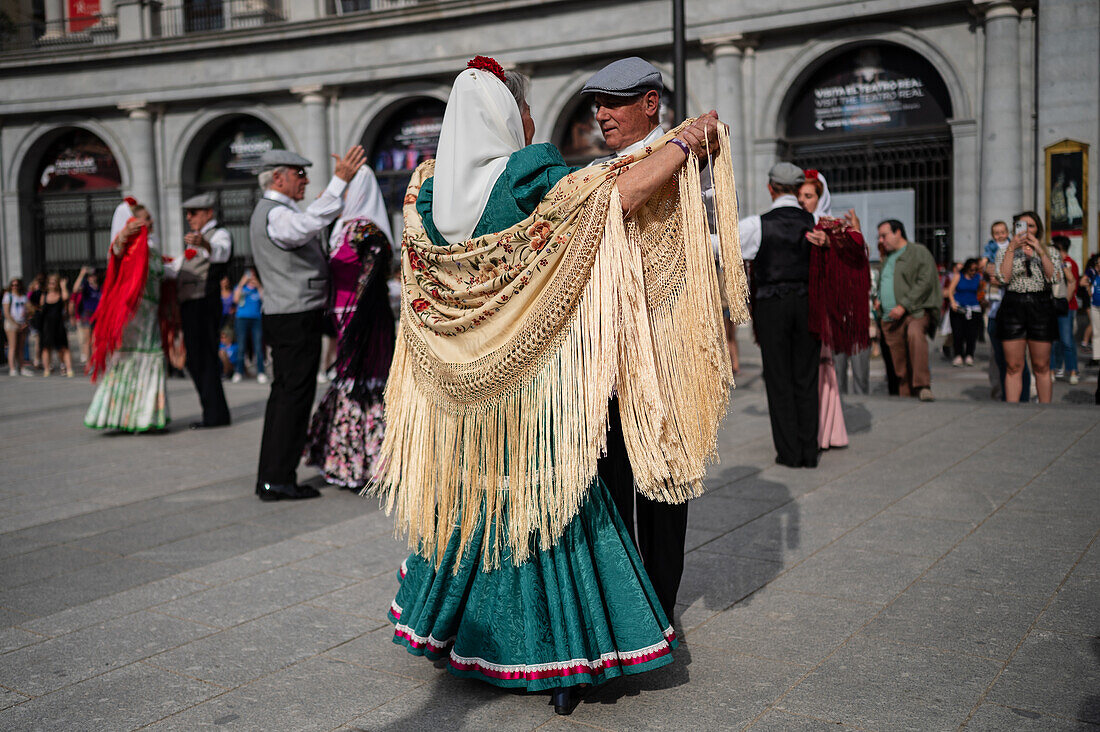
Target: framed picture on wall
pixel 1067 181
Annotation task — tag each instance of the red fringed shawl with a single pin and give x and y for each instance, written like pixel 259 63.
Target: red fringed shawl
pixel 122 292
pixel 840 280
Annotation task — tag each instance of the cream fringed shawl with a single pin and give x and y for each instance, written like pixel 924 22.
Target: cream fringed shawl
pixel 510 344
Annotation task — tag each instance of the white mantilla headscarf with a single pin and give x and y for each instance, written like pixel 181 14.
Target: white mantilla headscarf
pixel 825 202
pixel 482 126
pixel 362 200
pixel 122 214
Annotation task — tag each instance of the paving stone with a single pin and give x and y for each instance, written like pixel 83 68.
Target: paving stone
pixel 958 619
pixel 91 583
pixel 46 562
pixel 783 535
pixel 252 596
pixel 14 638
pixel 777 720
pixel 999 566
pixel 317 694
pixel 1090 563
pixel 353 531
pixel 378 556
pixel 112 606
pixel 721 514
pixel 943 500
pixel 997 718
pixel 1049 531
pixel 125 698
pixel 12 617
pixel 892 532
pixel 718 581
pixel 377 650
pixel 260 647
pixel 58 662
pixel 213 546
pixel 726 692
pixel 9 698
pixel 1054 674
pixel 854 574
pixel 368 599
pixel 878 684
pixel 1076 608
pixel 784 626
pixel 253 562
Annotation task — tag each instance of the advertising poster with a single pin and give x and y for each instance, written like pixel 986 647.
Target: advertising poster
pixel 77 161
pixel 82 14
pixel 1067 194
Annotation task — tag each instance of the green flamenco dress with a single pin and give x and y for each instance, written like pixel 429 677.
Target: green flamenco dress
pixel 580 612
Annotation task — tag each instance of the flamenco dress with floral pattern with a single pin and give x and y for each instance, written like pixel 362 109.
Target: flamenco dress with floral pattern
pixel 580 612
pixel 347 429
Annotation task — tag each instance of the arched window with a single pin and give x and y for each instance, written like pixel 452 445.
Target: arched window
pixel 409 137
pixel 76 189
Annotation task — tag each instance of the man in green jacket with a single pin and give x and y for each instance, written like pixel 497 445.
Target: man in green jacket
pixel 908 301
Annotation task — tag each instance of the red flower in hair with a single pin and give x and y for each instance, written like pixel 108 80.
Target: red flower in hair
pixel 811 174
pixel 486 63
pixel 130 201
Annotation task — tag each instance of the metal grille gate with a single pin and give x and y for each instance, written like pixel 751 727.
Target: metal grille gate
pixel 920 162
pixel 72 231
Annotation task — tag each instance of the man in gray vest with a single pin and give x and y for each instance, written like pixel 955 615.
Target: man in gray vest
pixel 288 246
pixel 205 262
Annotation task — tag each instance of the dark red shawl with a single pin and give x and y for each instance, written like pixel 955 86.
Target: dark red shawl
pixel 840 280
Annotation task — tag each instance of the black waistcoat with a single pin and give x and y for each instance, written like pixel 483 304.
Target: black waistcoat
pixel 783 262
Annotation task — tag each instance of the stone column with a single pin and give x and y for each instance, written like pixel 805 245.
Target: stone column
pixel 142 149
pixel 315 138
pixel 729 92
pixel 1002 189
pixel 55 18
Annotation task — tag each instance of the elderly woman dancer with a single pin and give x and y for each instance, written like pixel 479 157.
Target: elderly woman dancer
pixel 127 351
pixel 347 428
pixel 525 297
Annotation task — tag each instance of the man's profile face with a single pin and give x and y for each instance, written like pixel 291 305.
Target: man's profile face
pixel 626 120
pixel 888 238
pixel 291 182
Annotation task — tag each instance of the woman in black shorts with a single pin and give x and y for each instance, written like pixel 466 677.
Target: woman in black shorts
pixel 1026 318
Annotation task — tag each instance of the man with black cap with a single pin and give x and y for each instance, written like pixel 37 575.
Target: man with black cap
pixel 627 103
pixel 777 244
pixel 292 261
pixel 205 262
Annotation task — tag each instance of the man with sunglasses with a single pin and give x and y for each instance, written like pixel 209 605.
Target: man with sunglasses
pixel 626 98
pixel 204 263
pixel 291 258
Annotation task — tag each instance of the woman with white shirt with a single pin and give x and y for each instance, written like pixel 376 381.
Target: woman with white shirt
pixel 15 324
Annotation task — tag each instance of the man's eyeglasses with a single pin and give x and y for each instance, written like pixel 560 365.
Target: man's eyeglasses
pixel 300 172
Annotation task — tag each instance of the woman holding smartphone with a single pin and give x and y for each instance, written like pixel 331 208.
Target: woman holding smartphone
pixel 1026 319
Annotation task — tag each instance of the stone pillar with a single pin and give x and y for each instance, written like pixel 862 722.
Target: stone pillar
pixel 729 93
pixel 131 19
pixel 315 138
pixel 1002 189
pixel 55 18
pixel 1028 166
pixel 142 149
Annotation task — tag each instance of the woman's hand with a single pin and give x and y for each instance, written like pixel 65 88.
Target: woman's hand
pixel 817 238
pixel 852 221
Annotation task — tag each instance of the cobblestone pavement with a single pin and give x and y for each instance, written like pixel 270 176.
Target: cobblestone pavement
pixel 942 571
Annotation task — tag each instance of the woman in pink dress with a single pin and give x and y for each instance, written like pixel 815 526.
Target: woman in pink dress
pixel 840 278
pixel 347 428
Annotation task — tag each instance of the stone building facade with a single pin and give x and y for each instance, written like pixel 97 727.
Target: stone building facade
pixel 949 102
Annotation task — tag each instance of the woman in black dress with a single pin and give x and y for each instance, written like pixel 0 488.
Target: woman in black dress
pixel 54 338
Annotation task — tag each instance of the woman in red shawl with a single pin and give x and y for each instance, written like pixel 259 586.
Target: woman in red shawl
pixel 840 280
pixel 128 355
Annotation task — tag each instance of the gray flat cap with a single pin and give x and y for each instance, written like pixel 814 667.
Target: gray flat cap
pixel 786 174
pixel 203 200
pixel 625 78
pixel 278 158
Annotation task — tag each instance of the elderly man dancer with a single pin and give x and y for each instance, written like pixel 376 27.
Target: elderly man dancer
pixel 204 263
pixel 289 248
pixel 777 245
pixel 627 101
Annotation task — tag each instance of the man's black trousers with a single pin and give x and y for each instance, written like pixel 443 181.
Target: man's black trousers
pixel 661 527
pixel 295 342
pixel 791 359
pixel 199 319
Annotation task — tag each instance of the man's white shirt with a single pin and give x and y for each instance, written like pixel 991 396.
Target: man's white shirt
pixel 221 245
pixel 289 227
pixel 750 226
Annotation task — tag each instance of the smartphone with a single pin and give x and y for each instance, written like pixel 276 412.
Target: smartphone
pixel 1021 227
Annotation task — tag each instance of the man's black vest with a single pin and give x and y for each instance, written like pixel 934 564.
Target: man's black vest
pixel 783 262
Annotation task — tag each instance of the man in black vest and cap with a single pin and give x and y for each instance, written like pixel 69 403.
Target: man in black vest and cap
pixel 205 262
pixel 777 244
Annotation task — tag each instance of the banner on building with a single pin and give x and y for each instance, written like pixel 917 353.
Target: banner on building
pixel 1067 200
pixel 82 14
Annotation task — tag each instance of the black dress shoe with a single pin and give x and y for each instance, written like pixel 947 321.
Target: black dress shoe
pixel 788 463
pixel 203 425
pixel 565 700
pixel 284 491
pixel 195 426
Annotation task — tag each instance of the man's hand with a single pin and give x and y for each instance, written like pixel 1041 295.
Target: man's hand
pixel 817 238
pixel 897 313
pixel 852 220
pixel 346 167
pixel 192 239
pixel 701 135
